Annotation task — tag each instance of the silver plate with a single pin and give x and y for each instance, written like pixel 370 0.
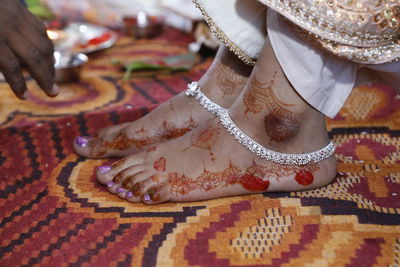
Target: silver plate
pixel 78 34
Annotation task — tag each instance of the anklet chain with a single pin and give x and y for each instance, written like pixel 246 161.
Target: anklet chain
pixel 277 157
pixel 194 90
pixel 249 143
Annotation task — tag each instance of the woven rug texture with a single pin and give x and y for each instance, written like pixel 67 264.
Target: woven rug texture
pixel 54 213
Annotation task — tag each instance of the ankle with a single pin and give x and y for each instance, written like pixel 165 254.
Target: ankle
pixel 294 133
pixel 225 78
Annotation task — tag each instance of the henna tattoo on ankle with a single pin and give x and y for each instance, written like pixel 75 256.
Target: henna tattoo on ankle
pixel 280 129
pixel 281 124
pixel 255 98
pixel 228 81
pixel 205 138
pixel 159 165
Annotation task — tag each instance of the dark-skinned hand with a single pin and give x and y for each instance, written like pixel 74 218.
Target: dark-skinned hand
pixel 24 44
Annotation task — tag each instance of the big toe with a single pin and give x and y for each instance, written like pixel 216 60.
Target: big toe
pixel 108 143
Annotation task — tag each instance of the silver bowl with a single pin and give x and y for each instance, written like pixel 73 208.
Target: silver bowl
pixel 68 66
pixel 142 25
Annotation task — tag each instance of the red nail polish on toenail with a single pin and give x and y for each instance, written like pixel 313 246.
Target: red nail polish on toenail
pixel 121 190
pixel 82 141
pixel 103 169
pixel 146 198
pixel 129 194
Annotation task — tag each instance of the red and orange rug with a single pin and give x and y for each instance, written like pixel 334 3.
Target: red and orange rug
pixel 53 213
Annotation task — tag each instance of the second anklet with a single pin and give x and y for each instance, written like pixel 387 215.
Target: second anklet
pixel 265 153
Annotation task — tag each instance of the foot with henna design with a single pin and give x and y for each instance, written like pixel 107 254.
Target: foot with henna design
pixel 222 83
pixel 209 163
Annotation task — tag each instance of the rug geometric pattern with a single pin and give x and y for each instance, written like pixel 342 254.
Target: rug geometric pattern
pixel 53 213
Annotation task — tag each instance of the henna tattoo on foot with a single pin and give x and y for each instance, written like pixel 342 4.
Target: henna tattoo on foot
pixel 304 177
pixel 137 189
pixel 122 141
pixel 256 178
pixel 253 183
pixel 159 165
pixel 181 184
pixel 206 137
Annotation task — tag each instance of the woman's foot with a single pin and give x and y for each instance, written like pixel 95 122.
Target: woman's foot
pixel 209 163
pixel 222 83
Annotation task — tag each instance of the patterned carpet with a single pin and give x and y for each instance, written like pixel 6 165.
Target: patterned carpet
pixel 53 213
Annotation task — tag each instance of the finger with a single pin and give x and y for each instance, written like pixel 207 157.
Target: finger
pixel 12 71
pixel 39 66
pixel 38 37
pixel 34 21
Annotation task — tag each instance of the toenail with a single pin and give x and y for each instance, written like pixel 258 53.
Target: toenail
pixel 146 198
pixel 103 169
pixel 129 194
pixel 121 190
pixel 82 141
pixel 110 184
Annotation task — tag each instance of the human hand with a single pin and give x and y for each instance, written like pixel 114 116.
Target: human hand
pixel 24 43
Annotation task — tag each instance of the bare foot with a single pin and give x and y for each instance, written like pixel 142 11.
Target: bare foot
pixel 209 163
pixel 222 83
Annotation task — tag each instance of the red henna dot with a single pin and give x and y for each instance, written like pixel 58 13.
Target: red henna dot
pixel 253 183
pixel 159 165
pixel 304 177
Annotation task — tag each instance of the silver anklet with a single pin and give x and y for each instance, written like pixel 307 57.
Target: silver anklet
pixel 194 90
pixel 249 143
pixel 265 153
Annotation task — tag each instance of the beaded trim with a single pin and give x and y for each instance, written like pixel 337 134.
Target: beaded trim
pixel 307 14
pixel 223 37
pixel 265 153
pixel 365 55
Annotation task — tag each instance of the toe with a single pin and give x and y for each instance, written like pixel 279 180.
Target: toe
pixel 157 195
pixel 106 143
pixel 117 172
pixel 139 186
pixel 82 147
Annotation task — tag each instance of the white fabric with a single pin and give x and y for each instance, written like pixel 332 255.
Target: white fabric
pixel 242 21
pixel 323 80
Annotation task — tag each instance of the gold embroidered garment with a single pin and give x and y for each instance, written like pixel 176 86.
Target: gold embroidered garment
pixel 364 31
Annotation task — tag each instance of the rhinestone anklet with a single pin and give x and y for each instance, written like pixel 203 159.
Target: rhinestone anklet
pixel 249 143
pixel 265 153
pixel 194 90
